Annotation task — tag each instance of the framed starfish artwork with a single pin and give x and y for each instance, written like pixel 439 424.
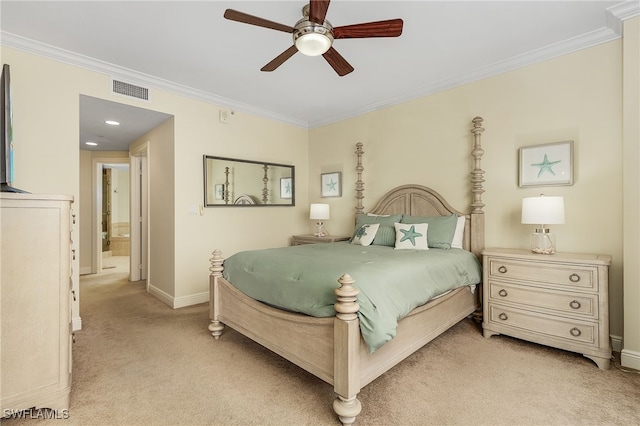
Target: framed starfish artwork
pixel 331 184
pixel 547 164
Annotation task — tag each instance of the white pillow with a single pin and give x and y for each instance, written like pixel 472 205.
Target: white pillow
pixel 458 236
pixel 365 235
pixel 411 236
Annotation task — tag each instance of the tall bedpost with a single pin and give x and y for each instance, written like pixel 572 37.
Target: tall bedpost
pixel 359 182
pixel 346 351
pixel 216 269
pixel 477 178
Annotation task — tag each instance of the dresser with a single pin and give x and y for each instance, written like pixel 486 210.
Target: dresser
pixel 297 240
pixel 559 300
pixel 35 302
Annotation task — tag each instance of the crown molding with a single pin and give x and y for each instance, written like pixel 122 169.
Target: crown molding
pixel 539 55
pixel 66 56
pixel 613 30
pixel 625 10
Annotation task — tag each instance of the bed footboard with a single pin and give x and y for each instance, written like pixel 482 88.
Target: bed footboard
pixel 328 348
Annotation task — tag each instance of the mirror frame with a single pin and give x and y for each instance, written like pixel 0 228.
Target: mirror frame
pixel 207 202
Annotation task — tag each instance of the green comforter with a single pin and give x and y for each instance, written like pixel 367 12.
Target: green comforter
pixel 391 282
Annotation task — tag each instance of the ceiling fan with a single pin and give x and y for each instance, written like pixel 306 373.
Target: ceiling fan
pixel 313 35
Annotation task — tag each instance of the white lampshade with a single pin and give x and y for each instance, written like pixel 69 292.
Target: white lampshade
pixel 543 210
pixel 319 212
pixel 313 44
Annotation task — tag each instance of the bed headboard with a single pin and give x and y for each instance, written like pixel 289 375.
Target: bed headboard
pixel 419 200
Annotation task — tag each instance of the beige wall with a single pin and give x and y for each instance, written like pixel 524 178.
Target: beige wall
pixel 631 159
pixel 427 141
pixel 161 279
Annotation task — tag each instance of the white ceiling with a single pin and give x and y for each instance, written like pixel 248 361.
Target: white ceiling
pixel 189 48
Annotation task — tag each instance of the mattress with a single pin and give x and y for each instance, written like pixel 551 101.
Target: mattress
pixel 391 282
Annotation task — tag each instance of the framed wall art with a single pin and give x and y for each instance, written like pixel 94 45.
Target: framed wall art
pixel 331 184
pixel 546 164
pixel 286 189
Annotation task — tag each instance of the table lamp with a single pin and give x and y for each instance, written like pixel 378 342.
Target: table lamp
pixel 319 212
pixel 543 211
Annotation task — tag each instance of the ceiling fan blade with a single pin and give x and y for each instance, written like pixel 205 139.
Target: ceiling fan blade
pixel 389 28
pixel 337 62
pixel 245 18
pixel 318 10
pixel 279 60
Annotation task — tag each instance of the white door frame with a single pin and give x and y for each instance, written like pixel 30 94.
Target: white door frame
pixel 96 220
pixel 139 259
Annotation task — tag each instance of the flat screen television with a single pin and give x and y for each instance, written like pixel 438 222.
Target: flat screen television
pixel 6 132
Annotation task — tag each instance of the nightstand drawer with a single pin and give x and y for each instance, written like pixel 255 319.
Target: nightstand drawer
pixel 583 305
pixel 561 275
pixel 570 330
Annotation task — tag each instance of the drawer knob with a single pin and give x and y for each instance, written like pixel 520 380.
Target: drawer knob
pixel 502 269
pixel 503 292
pixel 503 316
pixel 574 278
pixel 575 332
pixel 575 304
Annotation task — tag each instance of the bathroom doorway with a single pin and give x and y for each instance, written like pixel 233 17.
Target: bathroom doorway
pixel 116 228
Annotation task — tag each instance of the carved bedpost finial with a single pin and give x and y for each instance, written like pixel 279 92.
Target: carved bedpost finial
pixel 477 175
pixel 346 305
pixel 359 182
pixel 216 263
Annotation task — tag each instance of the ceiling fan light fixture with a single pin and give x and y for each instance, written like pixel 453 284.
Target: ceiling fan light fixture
pixel 312 39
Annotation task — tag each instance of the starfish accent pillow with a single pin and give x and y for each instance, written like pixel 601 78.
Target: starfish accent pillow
pixel 411 236
pixel 365 234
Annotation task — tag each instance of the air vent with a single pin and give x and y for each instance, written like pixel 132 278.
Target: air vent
pixel 128 89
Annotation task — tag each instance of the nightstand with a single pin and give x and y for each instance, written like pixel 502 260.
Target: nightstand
pixel 559 300
pixel 297 240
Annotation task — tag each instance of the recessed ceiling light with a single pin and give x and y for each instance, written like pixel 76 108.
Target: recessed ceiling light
pixel 91 143
pixel 112 123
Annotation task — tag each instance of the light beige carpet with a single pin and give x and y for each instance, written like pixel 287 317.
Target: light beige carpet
pixel 138 362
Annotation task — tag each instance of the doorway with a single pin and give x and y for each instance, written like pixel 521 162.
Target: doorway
pixel 115 221
pixel 113 144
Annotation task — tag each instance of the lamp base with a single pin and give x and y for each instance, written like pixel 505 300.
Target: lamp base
pixel 543 242
pixel 320 230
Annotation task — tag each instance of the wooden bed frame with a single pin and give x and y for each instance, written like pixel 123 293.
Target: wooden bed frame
pixel 332 348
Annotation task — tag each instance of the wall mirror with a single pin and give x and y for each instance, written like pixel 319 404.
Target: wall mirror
pixel 232 182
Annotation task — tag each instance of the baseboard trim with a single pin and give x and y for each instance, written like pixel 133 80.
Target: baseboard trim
pixel 616 343
pixel 178 302
pixel 630 359
pixel 163 296
pixel 193 299
pixel 76 324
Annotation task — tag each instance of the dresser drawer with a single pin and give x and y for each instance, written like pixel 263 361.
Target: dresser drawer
pixel 582 305
pixel 561 275
pixel 573 331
